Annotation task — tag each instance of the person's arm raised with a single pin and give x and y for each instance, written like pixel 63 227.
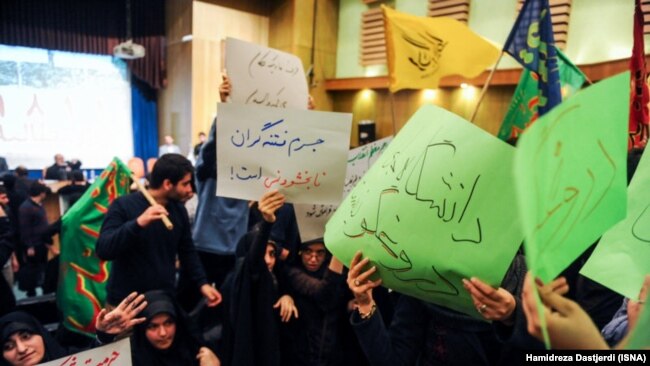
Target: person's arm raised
pixel 122 317
pixel 361 286
pixel 225 88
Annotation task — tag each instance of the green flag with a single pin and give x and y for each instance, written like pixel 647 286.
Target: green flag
pixel 523 108
pixel 83 276
pixel 570 175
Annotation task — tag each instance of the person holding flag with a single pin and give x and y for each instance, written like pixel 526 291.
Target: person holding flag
pixel 143 250
pixel 83 276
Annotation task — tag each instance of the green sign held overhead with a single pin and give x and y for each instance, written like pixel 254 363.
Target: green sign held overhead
pixel 435 208
pixel 571 176
pixel 622 258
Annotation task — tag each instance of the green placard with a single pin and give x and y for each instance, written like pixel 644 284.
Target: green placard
pixel 571 175
pixel 622 258
pixel 640 336
pixel 437 206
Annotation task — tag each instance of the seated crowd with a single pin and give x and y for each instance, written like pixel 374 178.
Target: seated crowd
pixel 251 293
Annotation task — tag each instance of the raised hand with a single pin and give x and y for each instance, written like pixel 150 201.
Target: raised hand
pixel 225 88
pixel 360 284
pixel 122 317
pixel 270 202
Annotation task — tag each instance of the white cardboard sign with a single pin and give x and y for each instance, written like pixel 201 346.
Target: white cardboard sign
pixel 265 76
pixel 301 153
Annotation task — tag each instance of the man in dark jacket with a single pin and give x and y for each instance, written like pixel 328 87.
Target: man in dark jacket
pixel 7 246
pixel 61 169
pixel 142 249
pixel 33 224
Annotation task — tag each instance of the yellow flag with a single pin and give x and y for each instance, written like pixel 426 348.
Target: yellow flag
pixel 421 50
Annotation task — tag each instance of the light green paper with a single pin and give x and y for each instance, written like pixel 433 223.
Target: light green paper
pixel 571 175
pixel 640 336
pixel 439 198
pixel 542 318
pixel 622 258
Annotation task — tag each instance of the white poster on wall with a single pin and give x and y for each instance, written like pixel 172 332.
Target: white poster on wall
pixel 301 153
pixel 313 217
pixel 265 76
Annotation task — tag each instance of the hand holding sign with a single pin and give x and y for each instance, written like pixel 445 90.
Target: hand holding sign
pixel 270 202
pixel 360 284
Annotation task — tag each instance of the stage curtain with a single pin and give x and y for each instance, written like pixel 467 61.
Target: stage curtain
pixel 145 120
pixel 89 26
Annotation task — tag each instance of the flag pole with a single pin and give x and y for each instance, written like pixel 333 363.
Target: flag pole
pixel 151 200
pixel 485 87
pixel 392 110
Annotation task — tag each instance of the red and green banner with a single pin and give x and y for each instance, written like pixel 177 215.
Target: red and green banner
pixel 639 97
pixel 523 110
pixel 83 276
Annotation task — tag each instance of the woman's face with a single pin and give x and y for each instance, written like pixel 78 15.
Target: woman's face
pixel 269 257
pixel 313 256
pixel 23 349
pixel 161 331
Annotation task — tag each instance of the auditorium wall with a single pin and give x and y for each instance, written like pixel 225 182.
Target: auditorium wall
pixel 600 33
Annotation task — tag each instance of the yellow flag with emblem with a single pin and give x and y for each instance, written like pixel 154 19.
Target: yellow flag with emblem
pixel 421 50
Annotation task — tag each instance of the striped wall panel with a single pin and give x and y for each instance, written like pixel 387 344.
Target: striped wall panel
pixel 456 9
pixel 645 7
pixel 373 40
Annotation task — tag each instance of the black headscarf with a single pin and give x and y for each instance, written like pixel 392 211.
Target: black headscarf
pixel 20 321
pixel 184 348
pixel 328 256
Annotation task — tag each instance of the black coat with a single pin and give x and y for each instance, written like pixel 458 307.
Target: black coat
pixel 251 336
pixel 321 304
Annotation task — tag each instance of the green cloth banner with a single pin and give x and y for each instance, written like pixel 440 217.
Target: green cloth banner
pixel 435 208
pixel 622 258
pixel 523 107
pixel 571 175
pixel 83 276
